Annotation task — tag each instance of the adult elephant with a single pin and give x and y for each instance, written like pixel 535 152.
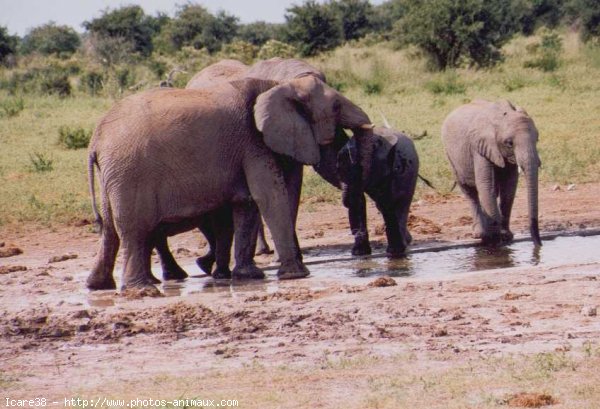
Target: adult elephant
pixel 486 142
pixel 168 157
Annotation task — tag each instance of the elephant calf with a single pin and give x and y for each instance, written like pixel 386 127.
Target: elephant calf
pixel 486 142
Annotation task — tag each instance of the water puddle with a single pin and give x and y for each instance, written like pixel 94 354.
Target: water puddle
pixel 329 266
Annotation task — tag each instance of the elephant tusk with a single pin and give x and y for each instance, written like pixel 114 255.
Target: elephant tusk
pixel 385 121
pixel 367 127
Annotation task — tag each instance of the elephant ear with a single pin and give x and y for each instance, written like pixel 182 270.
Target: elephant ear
pixel 280 116
pixel 486 146
pixel 385 141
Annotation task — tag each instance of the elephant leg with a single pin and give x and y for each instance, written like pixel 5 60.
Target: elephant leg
pixel 262 245
pixel 101 277
pixel 137 251
pixel 222 223
pixel 353 199
pixel 207 261
pixel 471 194
pixel 268 189
pixel 485 182
pixel 246 218
pixel 171 270
pixel 293 175
pixel 507 179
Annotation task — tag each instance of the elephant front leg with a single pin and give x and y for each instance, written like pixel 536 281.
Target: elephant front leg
pixel 353 199
pixel 246 220
pixel 485 182
pixel 470 193
pixel 222 222
pixel 507 179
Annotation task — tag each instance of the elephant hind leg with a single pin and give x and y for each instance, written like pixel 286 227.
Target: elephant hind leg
pixel 222 223
pixel 101 277
pixel 137 251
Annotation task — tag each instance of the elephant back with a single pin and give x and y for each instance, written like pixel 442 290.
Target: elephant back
pixel 280 69
pixel 223 71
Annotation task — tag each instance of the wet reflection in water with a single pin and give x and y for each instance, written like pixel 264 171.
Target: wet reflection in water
pixel 428 264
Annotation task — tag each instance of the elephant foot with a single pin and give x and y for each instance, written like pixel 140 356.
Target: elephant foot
pixel 506 236
pixel 95 282
pixel 221 273
pixel 206 263
pixel 174 273
pixel 361 248
pixel 392 252
pixel 248 272
pixel 292 270
pixel 140 283
pixel 491 238
pixel 153 279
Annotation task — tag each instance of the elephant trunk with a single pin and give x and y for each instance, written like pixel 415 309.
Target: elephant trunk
pixel 530 168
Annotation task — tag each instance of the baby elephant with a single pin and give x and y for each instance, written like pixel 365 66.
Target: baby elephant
pixel 486 142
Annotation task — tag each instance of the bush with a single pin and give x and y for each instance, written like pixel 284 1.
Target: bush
pixel 352 17
pixel 11 107
pixel 56 83
pixel 258 33
pixel 312 28
pixel 40 163
pixel 74 138
pixel 274 48
pixel 51 39
pixel 588 12
pixel 547 52
pixel 451 32
pixel 240 50
pixel 8 45
pixel 91 82
pixel 447 84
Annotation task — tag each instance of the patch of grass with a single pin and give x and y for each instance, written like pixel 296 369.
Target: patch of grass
pixel 40 162
pixel 74 138
pixel 446 84
pixel 11 107
pixel 316 190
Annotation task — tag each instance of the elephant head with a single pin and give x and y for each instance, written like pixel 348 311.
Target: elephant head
pixel 512 137
pixel 297 116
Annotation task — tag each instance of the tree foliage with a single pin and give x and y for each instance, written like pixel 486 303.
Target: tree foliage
pixel 259 32
pixel 129 23
pixel 588 14
pixel 353 17
pixel 538 13
pixel 195 26
pixel 51 39
pixel 8 45
pixel 312 28
pixel 451 32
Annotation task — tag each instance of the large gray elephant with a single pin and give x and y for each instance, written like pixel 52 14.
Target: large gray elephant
pixel 168 157
pixel 486 142
pixel 390 182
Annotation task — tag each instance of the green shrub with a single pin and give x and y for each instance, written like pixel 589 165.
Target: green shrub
pixel 92 82
pixel 56 83
pixel 547 52
pixel 51 39
pixel 240 50
pixel 447 84
pixel 11 107
pixel 74 138
pixel 312 28
pixel 274 48
pixel 372 87
pixel 513 83
pixel 451 32
pixel 40 162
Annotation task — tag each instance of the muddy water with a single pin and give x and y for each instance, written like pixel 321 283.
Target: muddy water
pixel 420 263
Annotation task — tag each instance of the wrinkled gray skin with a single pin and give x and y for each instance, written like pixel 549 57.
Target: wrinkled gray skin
pixel 166 158
pixel 486 142
pixel 391 185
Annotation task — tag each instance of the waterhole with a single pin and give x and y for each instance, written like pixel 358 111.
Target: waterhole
pixel 328 265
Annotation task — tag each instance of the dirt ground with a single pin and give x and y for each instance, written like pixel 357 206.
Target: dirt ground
pixel 470 340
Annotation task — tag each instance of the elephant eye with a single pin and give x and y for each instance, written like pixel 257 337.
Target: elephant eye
pixel 509 142
pixel 337 106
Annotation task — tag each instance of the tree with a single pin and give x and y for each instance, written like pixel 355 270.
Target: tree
pixel 385 15
pixel 8 45
pixel 129 23
pixel 258 33
pixel 51 39
pixel 588 13
pixel 193 25
pixel 353 17
pixel 537 13
pixel 312 28
pixel 451 32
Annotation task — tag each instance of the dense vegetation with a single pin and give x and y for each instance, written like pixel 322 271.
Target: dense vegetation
pixel 55 83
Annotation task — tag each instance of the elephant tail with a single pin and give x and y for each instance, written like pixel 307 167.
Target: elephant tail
pixel 92 162
pixel 427 182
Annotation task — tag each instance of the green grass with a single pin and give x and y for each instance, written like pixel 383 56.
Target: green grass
pixel 564 103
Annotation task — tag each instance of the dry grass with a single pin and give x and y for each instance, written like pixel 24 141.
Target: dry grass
pixel 565 105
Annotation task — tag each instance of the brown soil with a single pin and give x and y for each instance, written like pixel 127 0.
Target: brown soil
pixel 54 334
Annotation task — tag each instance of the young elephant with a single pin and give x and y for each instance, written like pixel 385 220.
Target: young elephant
pixel 486 142
pixel 167 157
